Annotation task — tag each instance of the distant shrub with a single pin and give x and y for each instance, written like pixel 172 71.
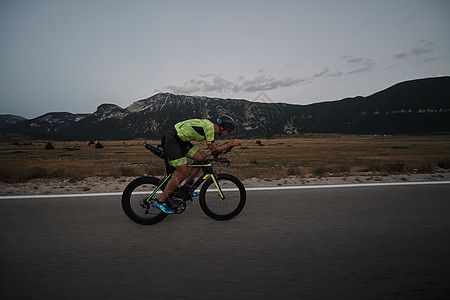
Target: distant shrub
pixel 320 171
pixel 128 171
pixel 444 164
pixel 291 171
pixel 98 145
pixel 49 146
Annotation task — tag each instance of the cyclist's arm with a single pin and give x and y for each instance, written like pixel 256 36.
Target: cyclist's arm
pixel 219 148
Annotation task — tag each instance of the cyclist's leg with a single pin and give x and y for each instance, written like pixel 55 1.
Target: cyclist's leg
pixel 180 175
pixel 195 154
pixel 175 150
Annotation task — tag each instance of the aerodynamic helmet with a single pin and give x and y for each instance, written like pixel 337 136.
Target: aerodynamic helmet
pixel 226 123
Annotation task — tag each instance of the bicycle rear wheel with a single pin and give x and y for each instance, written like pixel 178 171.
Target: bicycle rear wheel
pixel 135 204
pixel 226 203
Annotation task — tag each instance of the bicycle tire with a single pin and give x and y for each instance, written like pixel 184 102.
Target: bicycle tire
pixel 223 209
pixel 136 193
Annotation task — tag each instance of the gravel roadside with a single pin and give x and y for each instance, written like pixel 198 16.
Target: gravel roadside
pixel 116 185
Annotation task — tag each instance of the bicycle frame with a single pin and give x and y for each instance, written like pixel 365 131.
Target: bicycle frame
pixel 208 171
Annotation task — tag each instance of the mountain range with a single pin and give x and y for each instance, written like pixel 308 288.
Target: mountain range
pixel 419 106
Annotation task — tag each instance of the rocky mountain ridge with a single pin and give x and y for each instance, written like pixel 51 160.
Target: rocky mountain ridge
pixel 413 107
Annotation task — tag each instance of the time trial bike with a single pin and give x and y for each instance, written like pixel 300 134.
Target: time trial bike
pixel 221 197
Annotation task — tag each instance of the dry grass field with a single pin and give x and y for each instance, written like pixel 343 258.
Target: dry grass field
pixel 273 158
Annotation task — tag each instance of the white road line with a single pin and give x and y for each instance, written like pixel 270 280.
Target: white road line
pixel 297 187
pixel 59 196
pixel 325 186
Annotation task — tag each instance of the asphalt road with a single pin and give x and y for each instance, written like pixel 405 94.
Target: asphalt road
pixel 340 243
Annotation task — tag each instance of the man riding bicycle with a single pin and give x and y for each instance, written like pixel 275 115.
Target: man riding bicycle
pixel 177 145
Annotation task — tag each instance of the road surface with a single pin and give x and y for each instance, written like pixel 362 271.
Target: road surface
pixel 384 242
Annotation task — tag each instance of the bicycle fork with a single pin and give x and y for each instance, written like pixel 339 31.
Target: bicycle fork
pixel 216 183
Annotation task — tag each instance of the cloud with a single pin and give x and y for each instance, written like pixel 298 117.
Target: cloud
pixel 261 83
pixel 326 72
pixel 207 75
pixel 429 60
pixel 401 56
pixel 214 84
pixel 322 73
pixel 421 47
pixel 353 65
pixel 220 85
pixel 189 87
pixel 358 64
pixel 217 84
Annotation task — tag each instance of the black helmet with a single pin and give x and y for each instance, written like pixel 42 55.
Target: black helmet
pixel 226 122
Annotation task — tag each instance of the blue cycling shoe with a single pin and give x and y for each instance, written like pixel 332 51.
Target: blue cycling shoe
pixel 162 206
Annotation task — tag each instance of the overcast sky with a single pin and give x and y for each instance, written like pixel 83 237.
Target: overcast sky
pixel 62 55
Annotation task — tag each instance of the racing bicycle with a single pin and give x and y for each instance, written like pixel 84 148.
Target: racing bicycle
pixel 221 197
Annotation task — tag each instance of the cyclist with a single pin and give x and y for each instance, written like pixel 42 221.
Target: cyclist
pixel 177 145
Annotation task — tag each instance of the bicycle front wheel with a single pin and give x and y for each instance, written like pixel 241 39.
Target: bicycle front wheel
pixel 224 198
pixel 136 203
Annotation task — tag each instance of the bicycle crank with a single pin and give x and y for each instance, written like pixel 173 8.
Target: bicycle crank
pixel 176 204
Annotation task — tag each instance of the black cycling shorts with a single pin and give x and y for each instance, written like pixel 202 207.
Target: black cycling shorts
pixel 176 149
